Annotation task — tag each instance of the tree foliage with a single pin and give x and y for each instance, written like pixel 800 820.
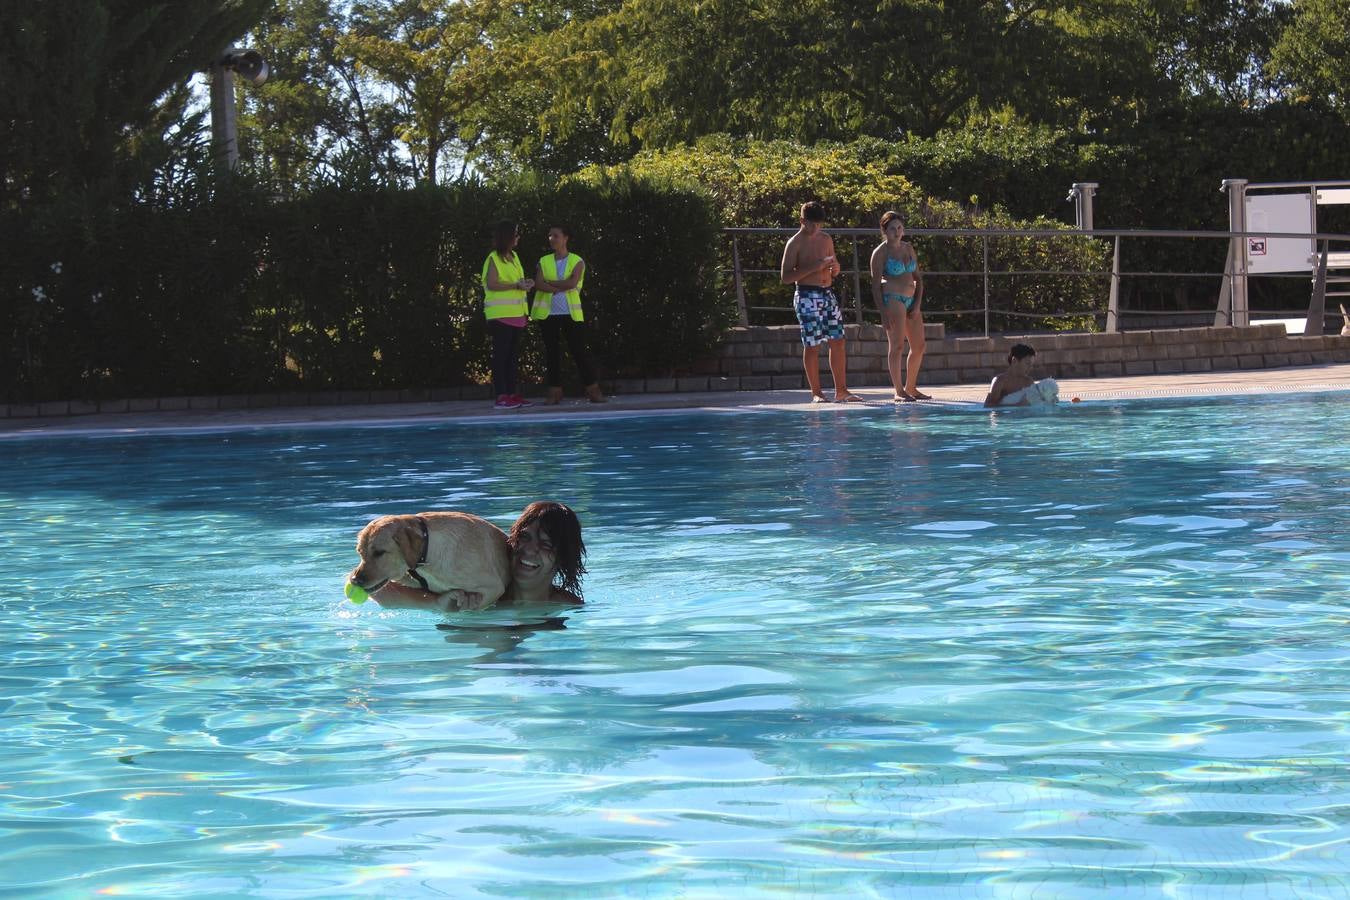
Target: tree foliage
pixel 435 89
pixel 836 69
pixel 1313 54
pixel 86 80
pixel 319 118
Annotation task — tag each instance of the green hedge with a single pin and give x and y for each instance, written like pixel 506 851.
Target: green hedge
pixel 346 288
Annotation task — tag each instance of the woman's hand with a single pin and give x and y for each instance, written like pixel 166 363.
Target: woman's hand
pixel 457 599
pixel 525 284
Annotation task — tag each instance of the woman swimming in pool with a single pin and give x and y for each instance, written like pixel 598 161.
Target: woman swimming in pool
pixel 548 558
pixel 897 291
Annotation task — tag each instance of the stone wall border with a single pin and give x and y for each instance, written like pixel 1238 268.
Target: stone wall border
pixel 768 357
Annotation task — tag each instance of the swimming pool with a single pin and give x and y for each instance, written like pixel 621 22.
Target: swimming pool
pixel 883 652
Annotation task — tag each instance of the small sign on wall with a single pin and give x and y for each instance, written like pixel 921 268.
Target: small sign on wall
pixel 1256 246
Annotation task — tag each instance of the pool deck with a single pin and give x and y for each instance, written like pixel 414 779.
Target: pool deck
pixel 1303 379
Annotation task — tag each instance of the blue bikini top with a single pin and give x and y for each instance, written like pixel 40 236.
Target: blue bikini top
pixel 897 267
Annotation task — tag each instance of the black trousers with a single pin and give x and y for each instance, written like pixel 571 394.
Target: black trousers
pixel 554 329
pixel 505 343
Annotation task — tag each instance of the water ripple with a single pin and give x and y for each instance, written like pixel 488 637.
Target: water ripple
pixel 895 653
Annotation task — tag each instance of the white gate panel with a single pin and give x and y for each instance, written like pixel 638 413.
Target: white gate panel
pixel 1277 213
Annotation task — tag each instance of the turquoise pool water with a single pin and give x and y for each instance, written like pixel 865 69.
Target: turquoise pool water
pixel 864 653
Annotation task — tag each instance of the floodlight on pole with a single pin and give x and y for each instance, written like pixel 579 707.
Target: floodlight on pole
pixel 248 65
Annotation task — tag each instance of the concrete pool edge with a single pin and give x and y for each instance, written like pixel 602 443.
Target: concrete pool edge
pixel 1302 379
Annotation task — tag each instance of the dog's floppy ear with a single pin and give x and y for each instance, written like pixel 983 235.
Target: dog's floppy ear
pixel 405 538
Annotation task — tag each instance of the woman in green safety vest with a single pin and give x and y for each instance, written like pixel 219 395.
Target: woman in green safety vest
pixel 557 308
pixel 504 290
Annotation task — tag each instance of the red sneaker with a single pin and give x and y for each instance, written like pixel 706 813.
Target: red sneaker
pixel 521 401
pixel 507 401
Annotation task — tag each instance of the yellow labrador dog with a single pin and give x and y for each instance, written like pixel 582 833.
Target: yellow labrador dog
pixel 445 553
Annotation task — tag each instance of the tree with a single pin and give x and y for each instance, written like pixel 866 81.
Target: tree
pixel 516 73
pixel 1313 54
pixel 834 69
pixel 84 78
pixel 420 50
pixel 319 116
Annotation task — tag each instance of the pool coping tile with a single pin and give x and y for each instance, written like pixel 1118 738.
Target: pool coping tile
pixel 388 407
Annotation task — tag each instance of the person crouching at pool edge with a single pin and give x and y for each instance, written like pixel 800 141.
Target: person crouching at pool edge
pixel 548 558
pixel 1015 380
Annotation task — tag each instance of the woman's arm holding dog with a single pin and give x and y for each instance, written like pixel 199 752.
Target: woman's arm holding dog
pixel 397 596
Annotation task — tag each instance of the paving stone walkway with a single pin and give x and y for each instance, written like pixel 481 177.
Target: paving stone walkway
pixel 1199 384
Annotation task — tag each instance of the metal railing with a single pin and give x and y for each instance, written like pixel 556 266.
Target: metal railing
pixel 1111 310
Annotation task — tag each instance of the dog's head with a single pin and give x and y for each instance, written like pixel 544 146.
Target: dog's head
pixel 386 549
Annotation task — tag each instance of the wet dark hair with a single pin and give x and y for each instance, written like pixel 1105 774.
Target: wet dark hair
pixel 813 211
pixel 564 531
pixel 502 233
pixel 888 217
pixel 1020 351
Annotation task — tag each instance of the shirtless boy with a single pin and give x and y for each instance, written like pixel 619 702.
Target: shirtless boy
pixel 809 263
pixel 1020 360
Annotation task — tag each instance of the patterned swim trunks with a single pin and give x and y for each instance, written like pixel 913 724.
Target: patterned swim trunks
pixel 818 313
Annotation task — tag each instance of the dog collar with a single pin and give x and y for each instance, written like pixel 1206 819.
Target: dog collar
pixel 426 545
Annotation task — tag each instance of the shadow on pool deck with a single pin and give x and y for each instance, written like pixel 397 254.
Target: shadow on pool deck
pixel 1258 381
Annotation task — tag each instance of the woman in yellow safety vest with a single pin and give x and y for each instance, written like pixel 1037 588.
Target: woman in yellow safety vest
pixel 557 308
pixel 504 290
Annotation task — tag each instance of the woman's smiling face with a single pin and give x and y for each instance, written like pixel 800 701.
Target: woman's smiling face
pixel 533 561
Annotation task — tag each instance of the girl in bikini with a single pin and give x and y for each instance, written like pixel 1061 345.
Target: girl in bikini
pixel 897 291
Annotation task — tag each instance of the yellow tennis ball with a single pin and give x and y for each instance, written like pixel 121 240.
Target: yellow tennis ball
pixel 356 593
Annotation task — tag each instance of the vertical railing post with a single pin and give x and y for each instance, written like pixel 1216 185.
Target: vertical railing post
pixel 1223 313
pixel 1081 194
pixel 984 239
pixel 740 282
pixel 1113 301
pixel 857 280
pixel 1316 323
pixel 1237 226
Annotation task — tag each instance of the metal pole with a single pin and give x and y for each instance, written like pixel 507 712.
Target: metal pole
pixel 1113 302
pixel 1081 194
pixel 1316 322
pixel 224 131
pixel 1223 314
pixel 1237 222
pixel 1312 208
pixel 985 240
pixel 740 283
pixel 857 280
